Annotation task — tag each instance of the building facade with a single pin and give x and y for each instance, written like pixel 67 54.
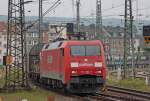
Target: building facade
pixel 57 30
pixel 32 36
pixel 3 41
pixel 117 48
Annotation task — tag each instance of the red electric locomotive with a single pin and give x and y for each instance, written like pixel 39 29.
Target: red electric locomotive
pixel 76 66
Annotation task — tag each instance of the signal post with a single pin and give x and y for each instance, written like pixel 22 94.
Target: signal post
pixel 147 50
pixel 146 35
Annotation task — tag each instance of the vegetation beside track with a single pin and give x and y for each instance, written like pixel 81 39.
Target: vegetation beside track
pixel 2 77
pixel 33 95
pixel 137 83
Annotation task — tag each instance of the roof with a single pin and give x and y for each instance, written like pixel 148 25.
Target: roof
pixel 35 50
pixel 60 44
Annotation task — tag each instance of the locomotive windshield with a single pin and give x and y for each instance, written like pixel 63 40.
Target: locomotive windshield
pixel 85 50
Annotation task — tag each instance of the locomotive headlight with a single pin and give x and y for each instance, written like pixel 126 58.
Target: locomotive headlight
pixel 98 64
pixel 99 72
pixel 74 72
pixel 74 64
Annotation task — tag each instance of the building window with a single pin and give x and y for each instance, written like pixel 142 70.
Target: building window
pixel 35 42
pixel 31 35
pixel 5 38
pixel 35 34
pixel 5 45
pixel 119 42
pixel 30 42
pixel 134 41
pixel 5 53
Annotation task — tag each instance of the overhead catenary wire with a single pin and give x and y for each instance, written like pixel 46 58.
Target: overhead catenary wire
pixel 114 7
pixel 56 4
pixel 105 16
pixel 73 8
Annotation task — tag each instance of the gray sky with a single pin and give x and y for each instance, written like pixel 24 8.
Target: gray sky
pixel 87 8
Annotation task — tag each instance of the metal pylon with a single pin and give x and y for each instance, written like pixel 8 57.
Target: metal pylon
pixel 99 26
pixel 40 20
pixel 16 71
pixel 128 37
pixel 78 15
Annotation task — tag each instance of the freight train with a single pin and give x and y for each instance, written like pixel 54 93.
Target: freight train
pixel 75 66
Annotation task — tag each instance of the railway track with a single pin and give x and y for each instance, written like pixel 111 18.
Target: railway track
pixel 116 97
pixel 131 92
pixel 121 94
pixel 112 94
pixel 80 97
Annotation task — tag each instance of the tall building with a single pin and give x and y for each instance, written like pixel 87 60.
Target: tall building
pixel 3 41
pixel 57 30
pixel 32 36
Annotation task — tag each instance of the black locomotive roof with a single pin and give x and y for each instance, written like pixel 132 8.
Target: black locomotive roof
pixel 35 50
pixel 53 45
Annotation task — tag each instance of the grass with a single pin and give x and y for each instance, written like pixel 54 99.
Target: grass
pixel 34 95
pixel 42 95
pixel 138 83
pixel 2 77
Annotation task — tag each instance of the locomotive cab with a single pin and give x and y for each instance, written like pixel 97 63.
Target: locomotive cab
pixel 87 67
